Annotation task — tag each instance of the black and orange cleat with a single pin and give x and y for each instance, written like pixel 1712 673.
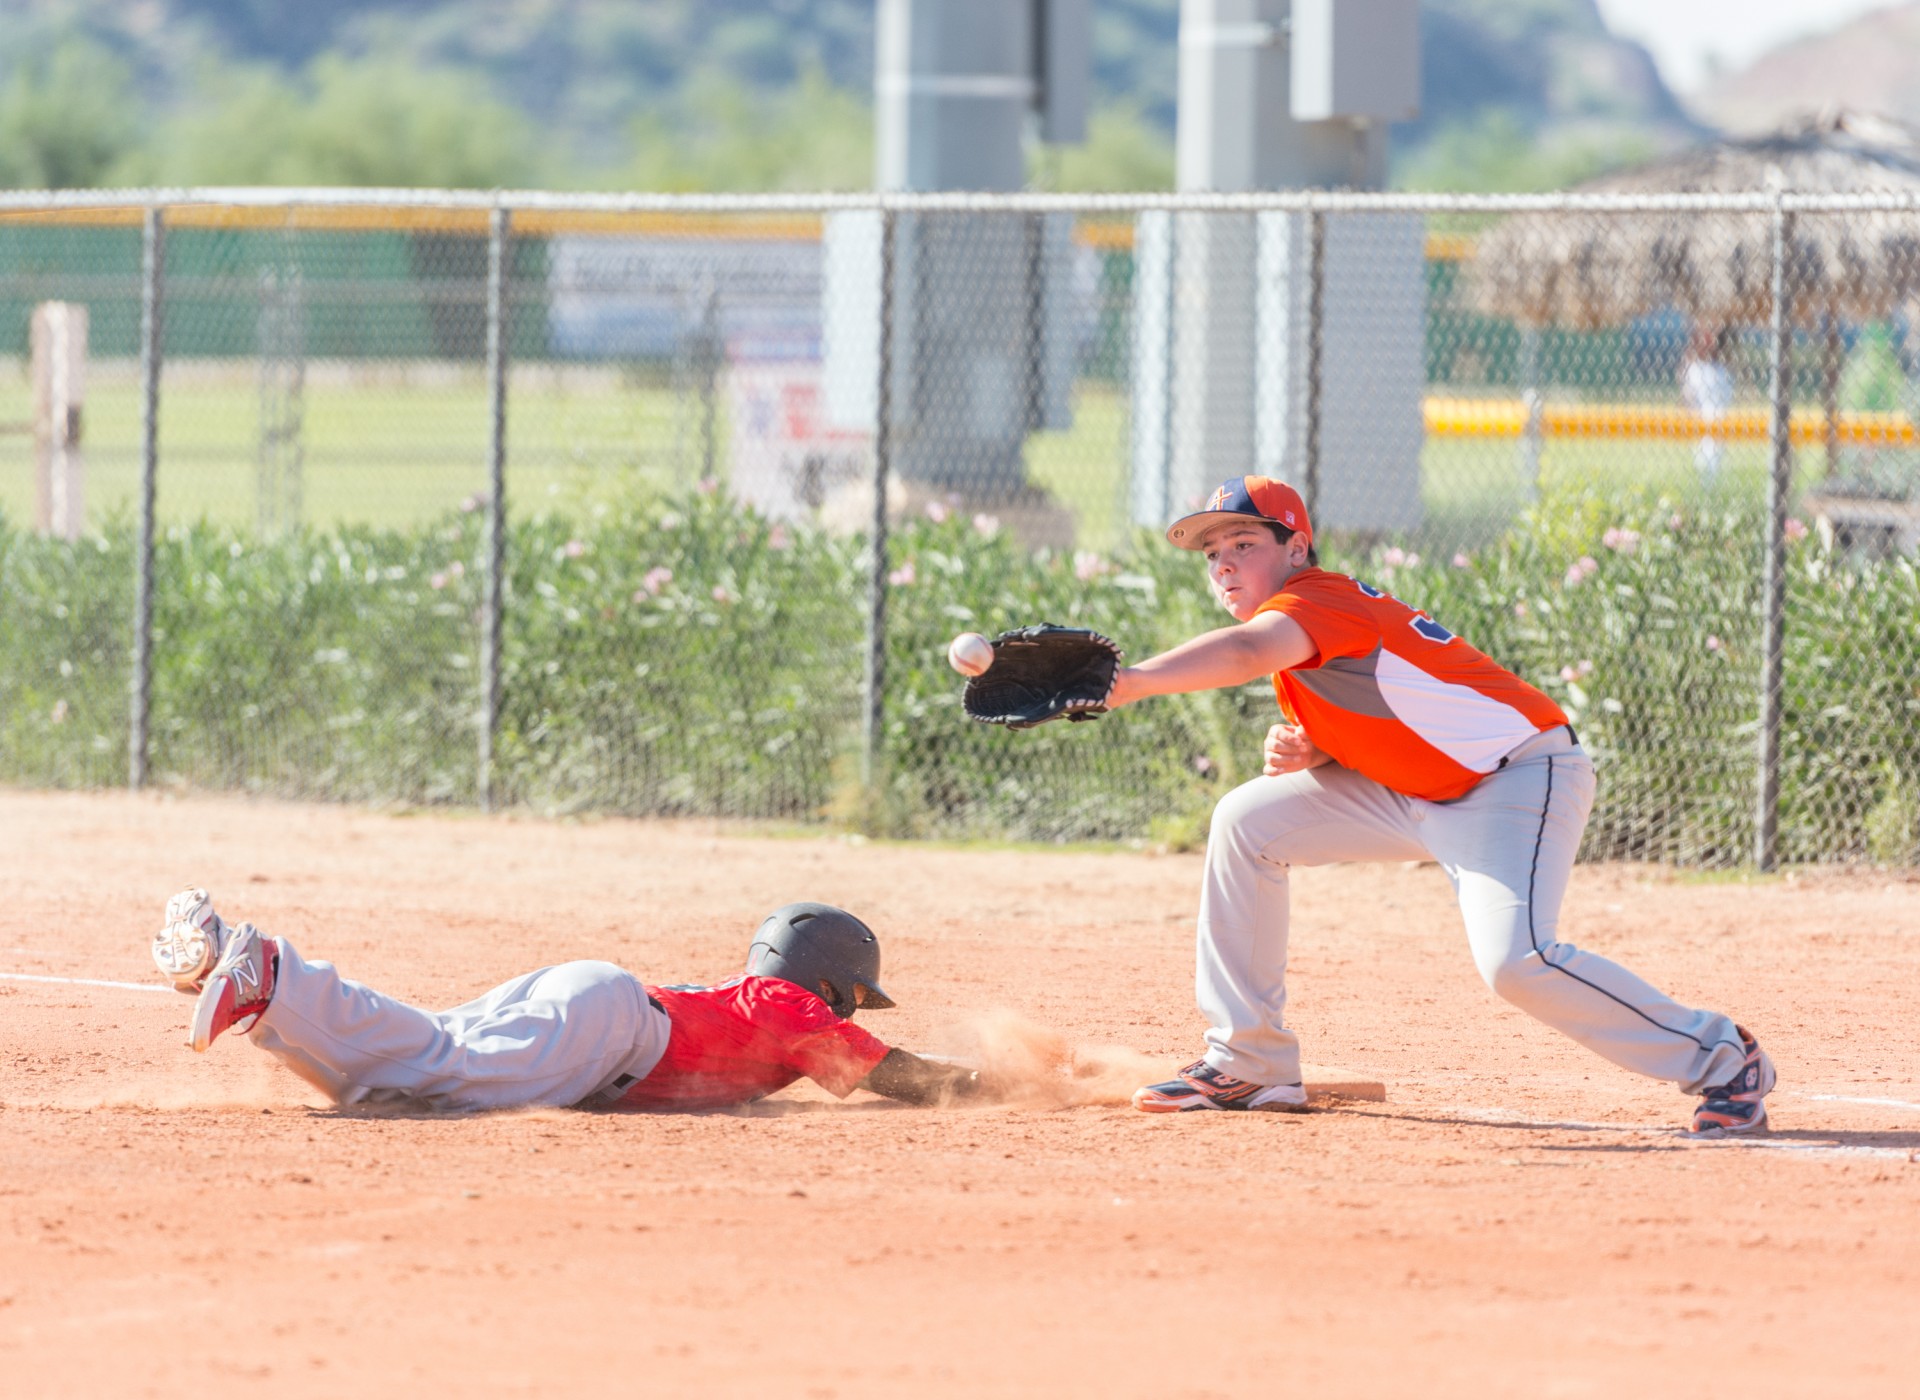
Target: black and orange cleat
pixel 1200 1085
pixel 1739 1105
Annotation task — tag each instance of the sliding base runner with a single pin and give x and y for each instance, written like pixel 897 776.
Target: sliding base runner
pixel 585 1033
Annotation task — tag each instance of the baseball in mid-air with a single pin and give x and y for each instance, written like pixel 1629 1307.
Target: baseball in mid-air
pixel 970 653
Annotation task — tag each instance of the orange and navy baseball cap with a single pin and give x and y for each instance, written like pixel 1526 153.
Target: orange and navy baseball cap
pixel 1241 498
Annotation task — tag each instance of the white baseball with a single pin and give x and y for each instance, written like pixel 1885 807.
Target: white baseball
pixel 970 653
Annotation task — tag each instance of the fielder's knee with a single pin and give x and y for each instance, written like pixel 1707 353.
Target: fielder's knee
pixel 1247 821
pixel 1521 978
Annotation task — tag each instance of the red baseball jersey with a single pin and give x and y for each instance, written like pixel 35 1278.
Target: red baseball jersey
pixel 747 1038
pixel 1392 694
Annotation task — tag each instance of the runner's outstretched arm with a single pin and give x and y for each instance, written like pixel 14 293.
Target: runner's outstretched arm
pixel 911 1079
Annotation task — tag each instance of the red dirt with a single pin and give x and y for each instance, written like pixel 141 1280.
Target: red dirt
pixel 1518 1218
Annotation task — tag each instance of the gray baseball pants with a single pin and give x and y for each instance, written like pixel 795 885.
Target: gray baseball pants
pixel 1508 846
pixel 551 1038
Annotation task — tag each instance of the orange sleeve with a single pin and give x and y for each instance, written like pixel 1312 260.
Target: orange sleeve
pixel 1335 626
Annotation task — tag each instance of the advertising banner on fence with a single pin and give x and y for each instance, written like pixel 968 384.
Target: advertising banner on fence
pixel 647 298
pixel 787 461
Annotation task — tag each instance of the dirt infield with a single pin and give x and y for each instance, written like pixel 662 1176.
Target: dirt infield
pixel 1517 1218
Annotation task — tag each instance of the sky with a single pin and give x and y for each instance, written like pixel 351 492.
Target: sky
pixel 1686 36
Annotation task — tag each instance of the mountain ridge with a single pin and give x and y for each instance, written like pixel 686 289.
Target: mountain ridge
pixel 587 72
pixel 1871 62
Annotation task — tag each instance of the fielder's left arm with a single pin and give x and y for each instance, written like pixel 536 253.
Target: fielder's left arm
pixel 1228 656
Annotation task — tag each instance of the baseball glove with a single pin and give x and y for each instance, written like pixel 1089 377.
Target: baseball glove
pixel 1043 672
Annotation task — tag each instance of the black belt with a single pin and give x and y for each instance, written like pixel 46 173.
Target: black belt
pixel 627 1081
pixel 1572 738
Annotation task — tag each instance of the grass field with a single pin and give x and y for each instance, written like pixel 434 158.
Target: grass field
pixel 394 444
pixel 379 448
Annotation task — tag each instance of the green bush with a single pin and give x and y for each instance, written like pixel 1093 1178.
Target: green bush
pixel 686 656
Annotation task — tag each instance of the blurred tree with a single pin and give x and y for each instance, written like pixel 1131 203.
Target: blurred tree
pixel 241 128
pixel 723 136
pixel 67 117
pixel 1124 151
pixel 758 49
pixel 1874 380
pixel 1497 153
pixel 374 122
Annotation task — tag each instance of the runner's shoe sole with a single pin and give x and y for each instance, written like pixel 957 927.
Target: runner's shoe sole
pixel 191 941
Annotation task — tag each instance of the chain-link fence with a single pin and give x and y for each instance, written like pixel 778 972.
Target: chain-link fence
pixel 670 505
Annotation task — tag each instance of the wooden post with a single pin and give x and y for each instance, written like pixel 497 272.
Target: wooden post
pixel 59 340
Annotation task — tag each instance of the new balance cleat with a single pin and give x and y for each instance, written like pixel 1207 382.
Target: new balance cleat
pixel 1200 1085
pixel 186 949
pixel 238 989
pixel 1739 1105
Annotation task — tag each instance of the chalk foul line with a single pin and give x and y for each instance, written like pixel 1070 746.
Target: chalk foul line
pixel 82 982
pixel 1877 1103
pixel 1496 1117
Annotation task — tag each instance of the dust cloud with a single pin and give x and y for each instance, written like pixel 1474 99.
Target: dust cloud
pixel 1027 1064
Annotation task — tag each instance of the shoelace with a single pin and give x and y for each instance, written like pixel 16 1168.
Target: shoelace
pixel 1210 1078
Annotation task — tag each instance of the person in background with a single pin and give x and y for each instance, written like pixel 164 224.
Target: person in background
pixel 1706 389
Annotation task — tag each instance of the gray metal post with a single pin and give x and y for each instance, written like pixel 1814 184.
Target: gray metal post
pixel 1316 355
pixel 152 251
pixel 496 533
pixel 873 735
pixel 1833 350
pixel 711 354
pixel 1534 402
pixel 1766 836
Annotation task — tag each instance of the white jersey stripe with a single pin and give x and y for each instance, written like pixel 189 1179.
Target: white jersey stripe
pixel 1475 730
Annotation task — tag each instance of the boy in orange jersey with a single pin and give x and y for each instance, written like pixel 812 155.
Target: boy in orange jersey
pixel 1401 742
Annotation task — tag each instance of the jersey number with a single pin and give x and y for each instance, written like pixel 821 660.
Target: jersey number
pixel 1420 623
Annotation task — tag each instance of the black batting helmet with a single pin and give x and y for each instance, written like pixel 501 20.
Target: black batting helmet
pixel 823 949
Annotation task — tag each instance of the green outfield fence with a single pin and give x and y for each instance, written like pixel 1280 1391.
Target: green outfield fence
pixel 668 505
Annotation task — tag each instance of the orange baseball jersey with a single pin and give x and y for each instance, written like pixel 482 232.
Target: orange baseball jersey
pixel 1395 696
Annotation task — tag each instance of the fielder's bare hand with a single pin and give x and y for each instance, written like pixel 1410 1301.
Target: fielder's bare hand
pixel 1289 750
